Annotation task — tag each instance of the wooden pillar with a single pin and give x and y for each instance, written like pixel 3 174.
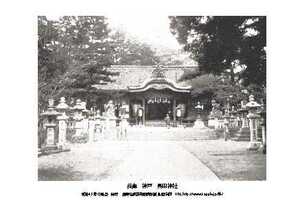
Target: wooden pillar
pixel 174 108
pixel 144 111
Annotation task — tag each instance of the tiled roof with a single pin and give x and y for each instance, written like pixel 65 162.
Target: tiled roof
pixel 135 75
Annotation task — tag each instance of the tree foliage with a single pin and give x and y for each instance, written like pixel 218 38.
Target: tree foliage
pixel 130 51
pixel 230 45
pixel 74 53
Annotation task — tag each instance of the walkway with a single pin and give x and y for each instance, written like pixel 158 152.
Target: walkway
pixel 160 160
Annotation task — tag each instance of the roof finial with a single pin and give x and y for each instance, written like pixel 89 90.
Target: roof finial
pixel 158 72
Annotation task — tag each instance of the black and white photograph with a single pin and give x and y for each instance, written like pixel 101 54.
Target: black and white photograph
pixel 171 98
pixel 133 101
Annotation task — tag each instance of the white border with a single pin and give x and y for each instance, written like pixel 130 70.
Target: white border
pixel 19 96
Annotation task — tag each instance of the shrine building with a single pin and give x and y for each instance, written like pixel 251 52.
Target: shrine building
pixel 154 89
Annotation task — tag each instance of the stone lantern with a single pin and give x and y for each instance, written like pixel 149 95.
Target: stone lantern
pixel 199 122
pixel 50 125
pixel 243 133
pixel 253 106
pixel 78 108
pixel 62 107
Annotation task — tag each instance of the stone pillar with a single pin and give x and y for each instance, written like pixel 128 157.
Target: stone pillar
pixel 91 129
pixel 174 111
pixel 243 133
pixel 263 132
pixel 263 129
pixel 62 107
pixel 253 116
pixel 226 126
pixel 78 118
pixel 144 111
pixel 245 122
pixel 254 144
pixel 98 126
pixel 62 130
pixel 50 135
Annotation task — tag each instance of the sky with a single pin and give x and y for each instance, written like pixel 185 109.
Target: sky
pixel 151 29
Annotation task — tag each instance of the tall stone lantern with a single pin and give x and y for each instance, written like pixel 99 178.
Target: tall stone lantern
pixel 50 125
pixel 253 116
pixel 215 115
pixel 62 107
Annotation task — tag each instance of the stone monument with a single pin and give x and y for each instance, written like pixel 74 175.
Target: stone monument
pixel 243 133
pixel 78 117
pixel 110 118
pixel 50 125
pixel 215 115
pixel 199 122
pixel 85 120
pixel 253 106
pixel 98 126
pixel 62 107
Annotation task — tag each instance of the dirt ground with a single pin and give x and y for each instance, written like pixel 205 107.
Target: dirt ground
pixel 153 155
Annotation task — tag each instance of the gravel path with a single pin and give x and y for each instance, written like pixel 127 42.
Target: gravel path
pixel 155 154
pixel 161 160
pixel 124 160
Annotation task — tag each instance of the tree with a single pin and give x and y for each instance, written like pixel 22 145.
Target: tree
pixel 51 64
pixel 231 45
pixel 129 51
pixel 74 54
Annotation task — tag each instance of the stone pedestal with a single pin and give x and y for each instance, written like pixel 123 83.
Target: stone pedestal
pixel 50 125
pixel 122 132
pixel 110 129
pixel 98 125
pixel 264 143
pixel 98 129
pixel 50 135
pixel 253 116
pixel 243 134
pixel 214 123
pixel 91 130
pixel 85 126
pixel 78 125
pixel 78 108
pixel 199 124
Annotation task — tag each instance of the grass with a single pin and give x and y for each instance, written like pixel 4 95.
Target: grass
pixel 230 160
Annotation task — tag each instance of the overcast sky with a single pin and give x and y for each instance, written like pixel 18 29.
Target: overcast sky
pixel 152 29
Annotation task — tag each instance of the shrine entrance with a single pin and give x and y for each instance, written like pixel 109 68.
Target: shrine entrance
pixel 158 111
pixel 159 97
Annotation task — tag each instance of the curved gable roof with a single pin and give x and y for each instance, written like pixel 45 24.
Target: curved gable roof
pixel 138 77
